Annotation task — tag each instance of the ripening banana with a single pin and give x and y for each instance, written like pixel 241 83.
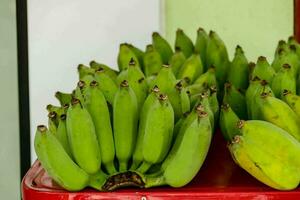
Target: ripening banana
pixel 284 80
pixel 137 157
pixel 200 46
pixel 106 84
pixel 268 153
pixel 263 70
pixel 82 137
pixel 184 43
pixel 292 100
pixel 57 162
pixel 191 69
pixel 158 133
pixel 152 61
pixel 125 55
pixel 176 61
pixel 217 56
pixel 162 46
pixel 125 118
pixel 279 113
pixel 236 100
pixel 63 98
pixel 105 69
pixel 139 54
pixel 228 122
pixel 97 106
pixel 238 74
pixel 136 80
pixel 186 156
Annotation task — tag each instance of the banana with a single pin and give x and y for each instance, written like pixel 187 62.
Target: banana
pixel 184 43
pixel 82 138
pixel 292 100
pixel 63 98
pixel 137 157
pixel 62 134
pixel 136 80
pixel 57 162
pixel 96 105
pixel 106 84
pixel 139 54
pixel 217 56
pixel 284 79
pixel 125 55
pixel 158 133
pixel 279 113
pixel 238 74
pixel 191 69
pixel 176 61
pixel 152 61
pixel 268 153
pixel 213 101
pixel 292 41
pixel 251 67
pixel 228 122
pixel 77 93
pixel 187 154
pixel 236 100
pixel 282 45
pixel 263 70
pixel 125 117
pixel 204 101
pixel 52 122
pixel 162 46
pixel 200 46
pixel 84 71
pixel 207 79
pixel 104 68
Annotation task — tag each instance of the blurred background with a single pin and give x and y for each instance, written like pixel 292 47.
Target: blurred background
pixel 63 34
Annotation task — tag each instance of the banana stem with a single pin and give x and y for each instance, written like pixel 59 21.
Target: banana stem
pixel 122 166
pixel 135 165
pixel 154 181
pixel 144 167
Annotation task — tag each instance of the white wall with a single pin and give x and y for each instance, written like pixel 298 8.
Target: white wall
pixel 63 34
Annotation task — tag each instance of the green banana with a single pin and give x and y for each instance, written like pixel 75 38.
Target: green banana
pixel 96 105
pixel 84 71
pixel 228 122
pixel 207 79
pixel 104 68
pixel 152 61
pixel 139 54
pixel 106 84
pixel 279 113
pixel 268 153
pixel 284 79
pixel 204 101
pixel 213 101
pixel 82 138
pixel 125 55
pixel 162 46
pixel 292 100
pixel 200 46
pixel 158 133
pixel 251 67
pixel 191 69
pixel 238 74
pixel 292 41
pixel 137 157
pixel 57 162
pixel 52 122
pixel 236 100
pixel 176 61
pixel 263 70
pixel 125 117
pixel 62 134
pixel 184 43
pixel 282 45
pixel 217 56
pixel 251 92
pixel 63 98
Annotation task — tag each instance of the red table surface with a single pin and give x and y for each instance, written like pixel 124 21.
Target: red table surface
pixel 219 178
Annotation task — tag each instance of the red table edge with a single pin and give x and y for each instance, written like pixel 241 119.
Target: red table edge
pixel 297 19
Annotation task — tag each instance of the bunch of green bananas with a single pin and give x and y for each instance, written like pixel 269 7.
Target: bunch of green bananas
pixel 260 115
pixel 146 125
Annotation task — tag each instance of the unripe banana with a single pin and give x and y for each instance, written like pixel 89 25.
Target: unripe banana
pixel 152 61
pixel 282 45
pixel 82 138
pixel 268 153
pixel 238 74
pixel 284 80
pixel 292 100
pixel 191 69
pixel 176 61
pixel 200 46
pixel 158 133
pixel 57 162
pixel 96 105
pixel 53 122
pixel 292 41
pixel 251 67
pixel 84 71
pixel 125 118
pixel 105 69
pixel 184 43
pixel 279 113
pixel 63 98
pixel 137 157
pixel 62 134
pixel 204 101
pixel 165 80
pixel 125 55
pixel 263 70
pixel 139 54
pixel 77 93
pixel 236 100
pixel 207 79
pixel 106 84
pixel 214 103
pixel 217 56
pixel 228 122
pixel 162 46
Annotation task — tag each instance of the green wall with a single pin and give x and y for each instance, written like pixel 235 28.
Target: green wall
pixel 256 25
pixel 9 122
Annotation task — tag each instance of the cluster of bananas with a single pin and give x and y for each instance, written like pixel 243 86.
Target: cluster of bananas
pixel 260 115
pixel 149 124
